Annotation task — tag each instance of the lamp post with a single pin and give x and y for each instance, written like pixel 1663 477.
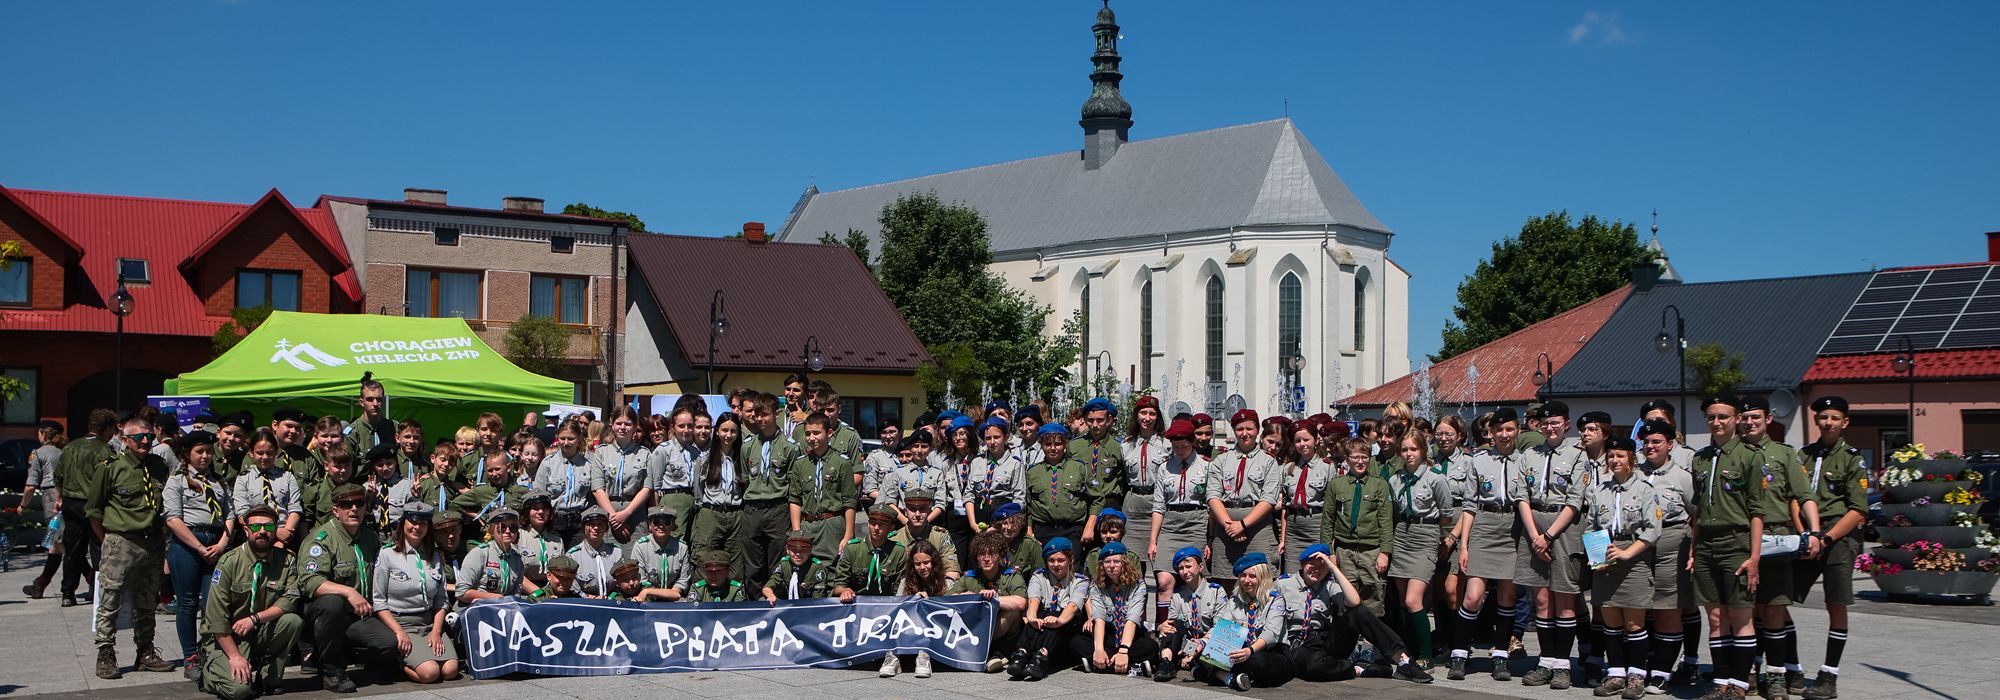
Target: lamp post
pixel 1298 365
pixel 1677 342
pixel 718 327
pixel 1905 364
pixel 1545 375
pixel 810 357
pixel 121 306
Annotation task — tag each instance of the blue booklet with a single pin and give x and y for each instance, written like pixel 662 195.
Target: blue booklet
pixel 1226 636
pixel 1597 546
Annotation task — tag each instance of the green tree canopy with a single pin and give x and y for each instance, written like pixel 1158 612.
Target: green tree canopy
pixel 580 209
pixel 1714 369
pixel 241 322
pixel 855 241
pixel 1552 266
pixel 977 329
pixel 537 344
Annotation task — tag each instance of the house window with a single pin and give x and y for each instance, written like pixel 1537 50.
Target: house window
pixel 278 289
pixel 1146 334
pixel 869 414
pixel 1289 321
pixel 565 299
pixel 445 235
pixel 1360 310
pixel 441 294
pixel 1214 329
pixel 134 270
pixel 20 410
pixel 562 244
pixel 15 281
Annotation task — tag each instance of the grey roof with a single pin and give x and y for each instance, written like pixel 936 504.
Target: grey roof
pixel 1778 325
pixel 1253 174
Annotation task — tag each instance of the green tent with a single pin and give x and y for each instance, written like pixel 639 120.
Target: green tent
pixel 434 369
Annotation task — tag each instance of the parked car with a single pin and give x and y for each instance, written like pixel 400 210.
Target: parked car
pixel 14 462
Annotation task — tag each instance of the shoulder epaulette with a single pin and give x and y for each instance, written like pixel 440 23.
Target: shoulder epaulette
pixel 321 536
pixel 854 541
pixel 646 538
pixel 1008 571
pixel 1282 577
pixel 1214 585
pixel 1854 450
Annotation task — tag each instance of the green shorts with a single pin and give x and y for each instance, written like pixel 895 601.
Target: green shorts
pixel 1717 554
pixel 1836 565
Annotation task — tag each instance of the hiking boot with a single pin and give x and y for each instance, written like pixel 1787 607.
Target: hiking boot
pixel 1774 687
pixel 1409 671
pixel 1636 689
pixel 1733 692
pixel 1500 671
pixel 34 590
pixel 1164 669
pixel 1540 676
pixel 1559 680
pixel 191 668
pixel 1457 669
pixel 1826 686
pixel 1795 682
pixel 1610 686
pixel 149 660
pixel 107 664
pixel 1239 682
pixel 1038 668
pixel 337 682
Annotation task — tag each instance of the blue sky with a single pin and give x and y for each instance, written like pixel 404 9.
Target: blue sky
pixel 1774 138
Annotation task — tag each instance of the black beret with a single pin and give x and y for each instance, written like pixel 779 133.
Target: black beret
pixel 1555 408
pixel 1621 443
pixel 381 451
pixel 1656 405
pixel 198 437
pixel 288 413
pixel 240 419
pixel 1598 417
pixel 1829 403
pixel 917 437
pixel 926 418
pixel 1655 427
pixel 1756 403
pixel 1505 415
pixel 1729 400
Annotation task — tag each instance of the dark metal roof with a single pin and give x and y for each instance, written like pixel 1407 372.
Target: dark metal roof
pixel 770 315
pixel 1777 324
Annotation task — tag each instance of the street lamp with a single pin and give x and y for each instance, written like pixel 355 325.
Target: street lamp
pixel 1905 364
pixel 1678 342
pixel 810 357
pixel 1297 364
pixel 718 327
pixel 1097 361
pixel 121 306
pixel 1545 374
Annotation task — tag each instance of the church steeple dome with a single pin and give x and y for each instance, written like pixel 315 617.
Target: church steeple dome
pixel 1106 115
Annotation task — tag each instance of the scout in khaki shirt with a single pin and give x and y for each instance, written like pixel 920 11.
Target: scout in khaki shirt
pixel 1547 494
pixel 333 579
pixel 822 490
pixel 1359 521
pixel 1838 474
pixel 1728 540
pixel 766 517
pixel 621 475
pixel 1624 506
pixel 715 585
pixel 800 575
pixel 665 563
pixel 495 569
pixel 249 623
pixel 124 509
pixel 917 512
pixel 410 589
pixel 1061 501
pixel 871 565
pixel 1245 488
pixel 1796 507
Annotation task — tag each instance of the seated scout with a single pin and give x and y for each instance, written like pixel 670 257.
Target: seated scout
pixel 715 585
pixel 800 575
pixel 249 623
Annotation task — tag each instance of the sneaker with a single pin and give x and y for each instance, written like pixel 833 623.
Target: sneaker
pixel 1772 686
pixel 1409 671
pixel 1795 682
pixel 1540 676
pixel 1656 686
pixel 1733 692
pixel 1163 670
pixel 1636 689
pixel 149 660
pixel 1610 686
pixel 996 665
pixel 1718 692
pixel 1825 686
pixel 191 668
pixel 1500 671
pixel 1038 668
pixel 1135 670
pixel 1239 682
pixel 1559 680
pixel 69 601
pixel 34 590
pixel 923 664
pixel 1456 669
pixel 890 666
pixel 107 665
pixel 337 683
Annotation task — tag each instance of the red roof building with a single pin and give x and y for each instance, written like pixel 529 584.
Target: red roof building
pixel 186 265
pixel 1506 367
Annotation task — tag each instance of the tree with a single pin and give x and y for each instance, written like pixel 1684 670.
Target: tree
pixel 241 322
pixel 580 209
pixel 977 329
pixel 1551 267
pixel 1715 369
pixel 855 240
pixel 10 388
pixel 537 344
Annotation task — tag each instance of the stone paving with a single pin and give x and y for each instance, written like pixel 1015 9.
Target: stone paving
pixel 1898 650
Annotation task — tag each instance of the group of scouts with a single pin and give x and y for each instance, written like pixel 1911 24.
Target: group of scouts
pixel 354 543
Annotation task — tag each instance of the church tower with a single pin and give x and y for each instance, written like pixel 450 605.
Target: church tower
pixel 1106 116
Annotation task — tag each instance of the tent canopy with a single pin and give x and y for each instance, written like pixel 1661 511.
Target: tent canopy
pixel 434 369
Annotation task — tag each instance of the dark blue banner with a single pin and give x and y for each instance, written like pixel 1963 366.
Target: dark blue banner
pixel 575 637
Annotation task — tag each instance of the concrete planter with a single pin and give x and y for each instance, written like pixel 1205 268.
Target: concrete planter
pixel 1949 536
pixel 1935 490
pixel 1956 583
pixel 1908 560
pixel 1925 515
pixel 1937 467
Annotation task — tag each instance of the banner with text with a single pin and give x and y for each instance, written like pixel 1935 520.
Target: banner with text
pixel 574 637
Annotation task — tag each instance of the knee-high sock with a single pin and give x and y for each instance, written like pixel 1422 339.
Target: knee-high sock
pixel 1691 636
pixel 1791 646
pixel 1614 653
pixel 1665 646
pixel 1566 628
pixel 1771 641
pixel 1461 633
pixel 1722 657
pixel 1836 642
pixel 1503 628
pixel 1636 642
pixel 1545 640
pixel 1420 623
pixel 1746 651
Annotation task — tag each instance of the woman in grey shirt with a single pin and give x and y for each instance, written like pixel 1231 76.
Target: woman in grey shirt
pixel 410 593
pixel 196 508
pixel 42 477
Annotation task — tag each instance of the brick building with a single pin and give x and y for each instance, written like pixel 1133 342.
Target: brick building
pixel 186 265
pixel 422 256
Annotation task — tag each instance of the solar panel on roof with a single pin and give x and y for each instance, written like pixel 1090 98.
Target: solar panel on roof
pixel 1952 307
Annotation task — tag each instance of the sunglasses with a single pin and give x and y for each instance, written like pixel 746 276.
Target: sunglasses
pixel 260 527
pixel 508 527
pixel 347 504
pixel 140 437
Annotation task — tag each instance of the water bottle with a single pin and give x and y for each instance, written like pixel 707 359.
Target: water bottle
pixel 55 533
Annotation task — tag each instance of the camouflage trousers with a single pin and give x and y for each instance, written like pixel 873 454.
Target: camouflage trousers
pixel 130 564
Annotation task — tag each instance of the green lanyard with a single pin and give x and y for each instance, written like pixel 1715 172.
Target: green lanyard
pixel 1354 508
pixel 360 571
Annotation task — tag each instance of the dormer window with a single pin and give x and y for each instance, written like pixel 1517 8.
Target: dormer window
pixel 135 271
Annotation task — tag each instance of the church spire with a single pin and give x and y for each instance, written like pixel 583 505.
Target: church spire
pixel 1106 116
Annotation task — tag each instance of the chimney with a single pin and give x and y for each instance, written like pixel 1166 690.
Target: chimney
pixel 753 231
pixel 1645 276
pixel 1993 246
pixel 532 205
pixel 419 195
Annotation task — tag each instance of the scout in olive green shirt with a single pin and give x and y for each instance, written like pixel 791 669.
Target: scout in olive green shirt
pixel 870 568
pixel 334 556
pixel 128 492
pixel 1838 475
pixel 1358 511
pixel 1103 459
pixel 79 465
pixel 1060 492
pixel 1726 495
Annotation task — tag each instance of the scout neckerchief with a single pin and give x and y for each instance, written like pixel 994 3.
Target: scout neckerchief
pixel 1354 505
pixel 965 471
pixel 361 580
pixel 256 582
pixel 764 468
pixel 499 495
pixel 1617 507
pixel 1055 592
pixel 1250 610
pixel 986 494
pixel 794 587
pixel 1711 476
pixel 1299 496
pixel 1187 465
pixel 1055 493
pixel 873 579
pixel 207 493
pixel 1818 461
pixel 381 504
pixel 1145 463
pixel 423 576
pixel 620 483
pixel 270 499
pixel 1242 462
pixel 146 475
pixel 1409 499
pixel 819 478
pixel 1197 628
pixel 1548 465
pixel 569 479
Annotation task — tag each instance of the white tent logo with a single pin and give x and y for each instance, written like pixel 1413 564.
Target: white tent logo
pixel 290 353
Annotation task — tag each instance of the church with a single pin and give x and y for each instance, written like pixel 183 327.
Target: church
pixel 1227 262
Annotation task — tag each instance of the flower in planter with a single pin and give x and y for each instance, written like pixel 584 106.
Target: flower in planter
pixel 1900 520
pixel 1987 540
pixel 1933 556
pixel 1963 519
pixel 1972 475
pixel 1900 476
pixel 1962 496
pixel 1989 565
pixel 1921 501
pixel 1912 451
pixel 1946 455
pixel 1875 566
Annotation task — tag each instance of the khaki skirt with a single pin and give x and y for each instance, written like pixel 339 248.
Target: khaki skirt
pixel 1564 571
pixel 1490 546
pixel 1302 530
pixel 1625 584
pixel 1225 551
pixel 1673 589
pixel 1416 552
pixel 1178 529
pixel 418 627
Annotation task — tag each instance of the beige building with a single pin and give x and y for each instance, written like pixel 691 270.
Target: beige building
pixel 423 256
